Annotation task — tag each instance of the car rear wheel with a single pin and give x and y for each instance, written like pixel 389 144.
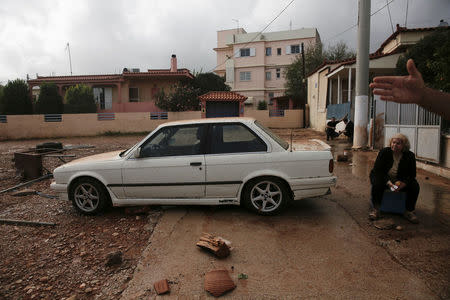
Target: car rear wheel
pixel 266 196
pixel 89 196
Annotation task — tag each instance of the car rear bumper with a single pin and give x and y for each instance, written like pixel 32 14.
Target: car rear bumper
pixel 60 189
pixel 311 187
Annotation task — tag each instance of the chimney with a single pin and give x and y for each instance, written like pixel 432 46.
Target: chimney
pixel 173 63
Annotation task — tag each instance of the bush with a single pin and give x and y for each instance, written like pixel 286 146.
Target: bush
pixel 80 100
pixel 16 98
pixel 49 101
pixel 262 105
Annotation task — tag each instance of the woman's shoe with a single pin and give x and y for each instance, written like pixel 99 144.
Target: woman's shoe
pixel 411 216
pixel 374 214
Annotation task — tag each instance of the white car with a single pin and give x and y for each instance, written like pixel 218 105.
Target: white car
pixel 200 162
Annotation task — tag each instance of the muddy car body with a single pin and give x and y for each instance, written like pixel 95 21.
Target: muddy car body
pixel 200 162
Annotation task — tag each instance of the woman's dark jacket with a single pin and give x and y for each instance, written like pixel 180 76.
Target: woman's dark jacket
pixel 406 168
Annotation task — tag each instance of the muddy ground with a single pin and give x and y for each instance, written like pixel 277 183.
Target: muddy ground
pixel 70 258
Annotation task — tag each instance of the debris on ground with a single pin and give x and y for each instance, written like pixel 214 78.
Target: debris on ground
pixel 215 245
pixel 384 224
pixel 26 183
pixel 242 276
pixel 23 222
pixel 161 287
pixel 114 259
pixel 24 192
pixel 218 282
pixel 342 157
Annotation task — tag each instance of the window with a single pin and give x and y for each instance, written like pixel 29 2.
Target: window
pixel 245 52
pixel 270 95
pixel 133 94
pixel 278 73
pixel 234 138
pixel 295 49
pixel 268 51
pixel 278 51
pixel 268 75
pixel 175 141
pixel 245 76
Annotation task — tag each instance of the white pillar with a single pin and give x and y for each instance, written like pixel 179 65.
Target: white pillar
pixel 330 92
pixel 339 96
pixel 349 85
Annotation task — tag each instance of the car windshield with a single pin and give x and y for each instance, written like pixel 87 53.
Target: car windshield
pixel 277 139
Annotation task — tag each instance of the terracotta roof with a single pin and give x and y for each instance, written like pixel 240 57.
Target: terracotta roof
pixel 113 77
pixel 222 96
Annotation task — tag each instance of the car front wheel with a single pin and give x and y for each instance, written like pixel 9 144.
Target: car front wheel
pixel 89 196
pixel 266 196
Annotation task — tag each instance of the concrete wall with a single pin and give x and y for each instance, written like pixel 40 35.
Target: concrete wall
pixel 34 126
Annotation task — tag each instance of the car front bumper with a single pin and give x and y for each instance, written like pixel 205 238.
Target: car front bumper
pixel 60 189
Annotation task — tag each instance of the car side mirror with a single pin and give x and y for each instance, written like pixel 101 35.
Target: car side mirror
pixel 137 152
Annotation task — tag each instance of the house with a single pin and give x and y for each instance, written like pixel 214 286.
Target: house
pixel 331 92
pixel 130 91
pixel 222 104
pixel 254 64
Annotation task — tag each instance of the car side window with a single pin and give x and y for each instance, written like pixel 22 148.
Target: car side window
pixel 174 141
pixel 234 138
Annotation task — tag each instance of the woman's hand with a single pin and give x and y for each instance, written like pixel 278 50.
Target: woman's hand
pixel 400 185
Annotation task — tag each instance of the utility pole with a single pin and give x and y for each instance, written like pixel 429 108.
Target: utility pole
pixel 362 75
pixel 304 85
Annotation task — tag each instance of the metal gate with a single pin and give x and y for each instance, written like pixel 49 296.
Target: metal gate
pixel 218 109
pixel 422 128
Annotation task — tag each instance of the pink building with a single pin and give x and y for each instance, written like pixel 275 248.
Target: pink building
pixel 254 64
pixel 131 91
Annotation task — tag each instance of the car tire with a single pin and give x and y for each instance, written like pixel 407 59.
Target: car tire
pixel 266 195
pixel 89 196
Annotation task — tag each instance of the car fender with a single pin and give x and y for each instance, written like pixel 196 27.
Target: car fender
pixel 261 173
pixel 91 174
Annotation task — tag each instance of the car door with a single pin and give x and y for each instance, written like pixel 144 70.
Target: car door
pixel 171 165
pixel 234 152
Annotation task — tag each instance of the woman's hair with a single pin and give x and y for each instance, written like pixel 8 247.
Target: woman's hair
pixel 405 141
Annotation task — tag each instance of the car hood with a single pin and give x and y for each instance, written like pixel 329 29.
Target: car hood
pixel 98 158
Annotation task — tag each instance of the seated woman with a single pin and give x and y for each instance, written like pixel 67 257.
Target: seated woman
pixel 395 168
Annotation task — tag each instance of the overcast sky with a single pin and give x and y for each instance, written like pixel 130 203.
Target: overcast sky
pixel 106 36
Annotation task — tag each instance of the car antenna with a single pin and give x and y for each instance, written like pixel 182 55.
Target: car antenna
pixel 291 140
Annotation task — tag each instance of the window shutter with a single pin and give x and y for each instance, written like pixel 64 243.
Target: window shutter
pixel 252 51
pixel 238 54
pixel 288 49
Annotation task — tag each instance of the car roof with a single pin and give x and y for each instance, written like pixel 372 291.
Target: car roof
pixel 209 120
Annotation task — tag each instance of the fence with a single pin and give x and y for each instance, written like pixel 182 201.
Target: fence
pixel 69 125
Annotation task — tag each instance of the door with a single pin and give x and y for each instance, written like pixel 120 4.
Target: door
pixel 108 98
pixel 219 109
pixel 171 165
pixel 235 151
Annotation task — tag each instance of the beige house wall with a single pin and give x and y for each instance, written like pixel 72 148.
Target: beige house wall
pixel 34 126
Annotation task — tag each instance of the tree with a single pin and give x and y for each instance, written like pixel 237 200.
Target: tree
pixel 432 58
pixel 80 99
pixel 314 57
pixel 49 101
pixel 184 96
pixel 16 98
pixel 1 98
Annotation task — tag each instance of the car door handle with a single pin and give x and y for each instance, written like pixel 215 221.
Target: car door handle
pixel 195 164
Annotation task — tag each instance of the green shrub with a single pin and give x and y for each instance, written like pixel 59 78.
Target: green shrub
pixel 79 100
pixel 16 98
pixel 262 105
pixel 49 101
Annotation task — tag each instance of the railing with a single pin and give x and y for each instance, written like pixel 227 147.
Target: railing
pixel 3 119
pixel 53 118
pixel 276 113
pixel 106 116
pixel 158 116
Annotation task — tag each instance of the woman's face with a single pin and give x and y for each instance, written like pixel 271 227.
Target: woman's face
pixel 397 145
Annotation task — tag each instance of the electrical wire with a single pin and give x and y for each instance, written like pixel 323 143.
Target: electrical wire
pixel 258 34
pixel 353 26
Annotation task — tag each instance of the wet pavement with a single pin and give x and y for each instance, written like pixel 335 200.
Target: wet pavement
pixel 321 247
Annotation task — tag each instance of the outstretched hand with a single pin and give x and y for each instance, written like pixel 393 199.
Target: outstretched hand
pixel 402 89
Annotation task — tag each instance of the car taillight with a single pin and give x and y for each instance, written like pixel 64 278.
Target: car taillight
pixel 331 166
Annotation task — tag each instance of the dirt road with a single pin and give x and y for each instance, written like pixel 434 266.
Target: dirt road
pixel 319 248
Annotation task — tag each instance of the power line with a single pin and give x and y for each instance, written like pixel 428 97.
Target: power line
pixel 258 34
pixel 353 26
